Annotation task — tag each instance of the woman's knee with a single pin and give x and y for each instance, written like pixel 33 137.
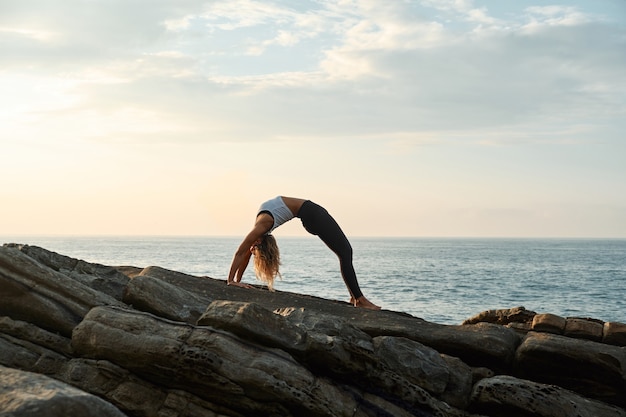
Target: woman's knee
pixel 345 253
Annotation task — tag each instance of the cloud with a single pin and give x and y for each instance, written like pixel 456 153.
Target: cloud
pixel 330 68
pixel 237 14
pixel 556 16
pixel 34 34
pixel 85 33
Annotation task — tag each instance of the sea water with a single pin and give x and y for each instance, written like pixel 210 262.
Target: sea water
pixel 443 280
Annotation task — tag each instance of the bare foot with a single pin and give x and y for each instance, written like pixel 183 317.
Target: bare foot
pixel 363 303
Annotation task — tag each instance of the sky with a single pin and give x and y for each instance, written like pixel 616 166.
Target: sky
pixel 426 118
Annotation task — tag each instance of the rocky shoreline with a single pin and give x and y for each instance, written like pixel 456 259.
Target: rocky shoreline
pixel 78 338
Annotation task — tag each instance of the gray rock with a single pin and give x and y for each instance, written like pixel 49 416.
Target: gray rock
pixel 254 352
pixel 583 329
pixel 614 333
pixel 27 332
pixel 506 396
pixel 397 367
pixel 549 323
pixel 420 364
pixel 21 354
pixel 26 394
pixel 253 322
pixel 503 316
pixel 134 395
pixel 213 365
pixel 117 385
pixel 593 369
pixel 105 279
pixel 36 294
pixel 460 381
pixel 153 295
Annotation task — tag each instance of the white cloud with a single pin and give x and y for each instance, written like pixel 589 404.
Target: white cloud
pixel 386 66
pixel 556 15
pixel 35 34
pixel 245 13
pixel 178 24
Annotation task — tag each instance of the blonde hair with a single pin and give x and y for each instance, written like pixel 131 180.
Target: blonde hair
pixel 267 260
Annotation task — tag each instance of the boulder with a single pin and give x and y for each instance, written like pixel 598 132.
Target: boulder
pixel 461 379
pixel 21 354
pixel 216 366
pixel 503 316
pixel 253 322
pixel 153 295
pixel 443 376
pixel 420 364
pixel 506 396
pixel 27 394
pixel 592 369
pixel 102 278
pixel 27 332
pixel 549 323
pixel 584 329
pixel 481 344
pixel 520 328
pixel 136 396
pixel 614 333
pixel 398 368
pixel 35 293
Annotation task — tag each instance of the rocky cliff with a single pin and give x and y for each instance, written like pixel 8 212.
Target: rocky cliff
pixel 91 340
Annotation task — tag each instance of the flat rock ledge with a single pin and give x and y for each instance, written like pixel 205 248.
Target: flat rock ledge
pixel 78 338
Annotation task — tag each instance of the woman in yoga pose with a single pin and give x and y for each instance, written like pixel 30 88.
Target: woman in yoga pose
pixel 260 243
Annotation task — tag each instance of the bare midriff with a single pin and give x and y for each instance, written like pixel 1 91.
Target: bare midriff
pixel 293 204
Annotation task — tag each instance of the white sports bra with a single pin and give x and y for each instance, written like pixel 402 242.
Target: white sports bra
pixel 279 211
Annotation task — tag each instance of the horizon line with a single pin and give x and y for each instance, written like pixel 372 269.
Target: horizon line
pixel 191 236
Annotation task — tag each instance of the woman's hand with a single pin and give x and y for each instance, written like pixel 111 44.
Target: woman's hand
pixel 239 284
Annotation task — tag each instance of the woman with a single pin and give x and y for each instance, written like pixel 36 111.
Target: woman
pixel 260 243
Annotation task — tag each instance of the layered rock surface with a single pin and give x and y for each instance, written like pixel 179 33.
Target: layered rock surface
pixel 152 342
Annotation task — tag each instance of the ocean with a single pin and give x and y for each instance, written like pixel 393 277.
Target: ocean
pixel 442 280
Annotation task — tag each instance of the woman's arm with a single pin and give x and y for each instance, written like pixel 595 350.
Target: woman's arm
pixel 242 255
pixel 238 267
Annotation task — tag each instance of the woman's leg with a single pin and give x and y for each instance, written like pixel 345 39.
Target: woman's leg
pixel 317 221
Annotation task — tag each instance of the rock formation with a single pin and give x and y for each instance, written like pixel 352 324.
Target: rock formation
pixel 84 339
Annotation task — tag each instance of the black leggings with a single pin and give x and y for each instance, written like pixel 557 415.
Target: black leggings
pixel 317 221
